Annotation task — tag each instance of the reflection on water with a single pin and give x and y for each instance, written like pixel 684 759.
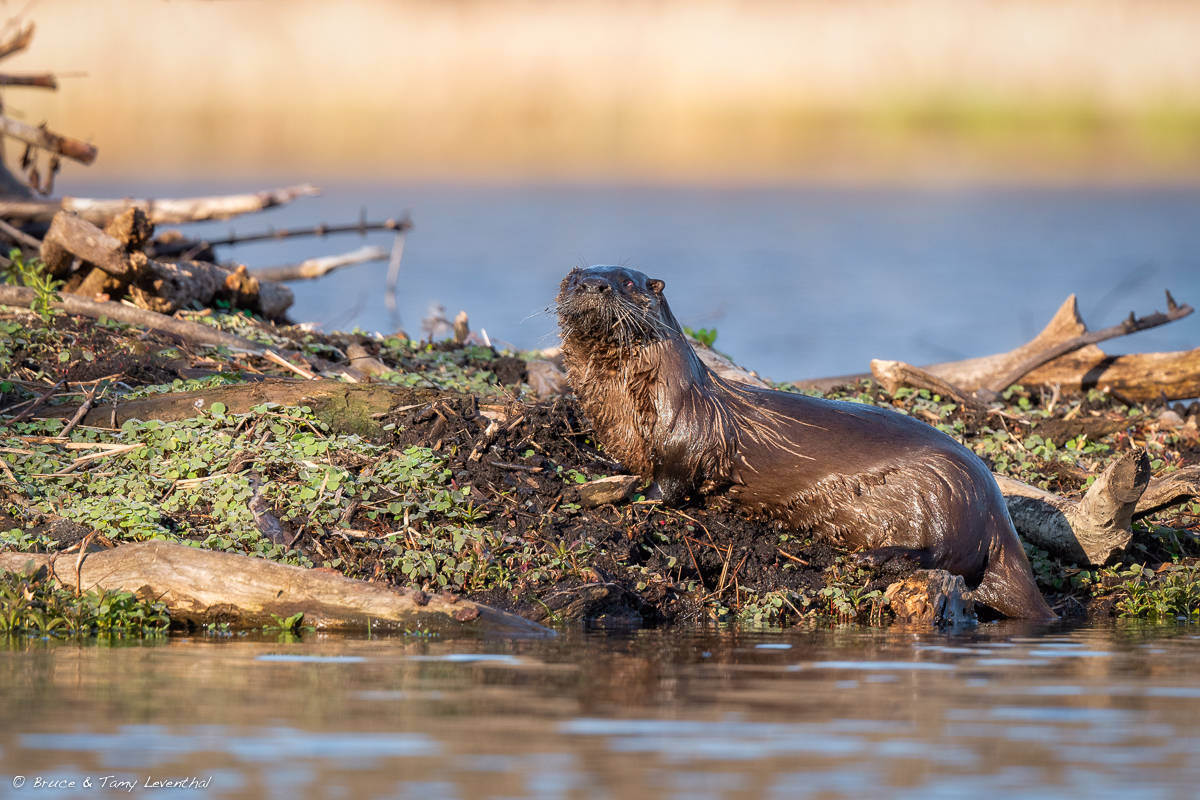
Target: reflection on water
pixel 1004 711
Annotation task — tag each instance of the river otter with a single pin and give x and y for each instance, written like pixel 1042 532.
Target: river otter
pixel 855 475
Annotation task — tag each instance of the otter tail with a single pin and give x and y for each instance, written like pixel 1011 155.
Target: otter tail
pixel 1008 584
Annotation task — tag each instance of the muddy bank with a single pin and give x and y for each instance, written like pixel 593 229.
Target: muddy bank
pixel 454 475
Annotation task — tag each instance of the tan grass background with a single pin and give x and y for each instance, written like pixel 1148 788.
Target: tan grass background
pixel 655 90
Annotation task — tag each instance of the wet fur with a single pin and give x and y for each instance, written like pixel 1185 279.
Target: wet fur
pixel 855 475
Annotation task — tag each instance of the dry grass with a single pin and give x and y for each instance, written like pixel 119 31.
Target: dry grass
pixel 625 88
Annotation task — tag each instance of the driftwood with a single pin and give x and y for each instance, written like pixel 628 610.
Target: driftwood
pixel 1131 325
pixel 1138 377
pixel 1168 490
pixel 931 597
pixel 19 41
pixel 189 331
pixel 317 267
pixel 893 375
pixel 202 587
pixel 171 212
pixel 176 246
pixel 47 140
pixel 155 285
pixel 1091 531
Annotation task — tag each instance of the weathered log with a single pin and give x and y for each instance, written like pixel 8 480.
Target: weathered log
pixel 1168 490
pixel 171 212
pixel 1088 532
pixel 154 285
pixel 46 139
pixel 1139 377
pixel 316 267
pixel 71 236
pixel 203 587
pixel 894 374
pixel 932 597
pixel 347 408
pixel 189 331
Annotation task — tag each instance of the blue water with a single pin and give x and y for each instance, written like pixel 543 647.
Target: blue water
pixel 799 282
pixel 1008 710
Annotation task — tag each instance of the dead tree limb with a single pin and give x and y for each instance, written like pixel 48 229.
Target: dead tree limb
pixel 1131 325
pixel 154 285
pixel 45 80
pixel 196 333
pixel 172 248
pixel 1140 377
pixel 18 236
pixel 1168 490
pixel 170 212
pixel 894 374
pixel 202 587
pixel 1088 532
pixel 316 267
pixel 46 139
pixel 19 41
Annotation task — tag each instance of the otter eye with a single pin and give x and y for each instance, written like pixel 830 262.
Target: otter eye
pixel 627 282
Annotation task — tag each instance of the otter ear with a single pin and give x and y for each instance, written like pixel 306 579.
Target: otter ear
pixel 656 285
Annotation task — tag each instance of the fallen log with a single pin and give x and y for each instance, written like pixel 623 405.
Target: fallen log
pixel 1139 377
pixel 202 587
pixel 893 375
pixel 1087 532
pixel 170 211
pixel 317 267
pixel 194 332
pixel 932 597
pixel 155 285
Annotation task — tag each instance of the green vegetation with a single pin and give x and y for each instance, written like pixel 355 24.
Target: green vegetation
pixel 33 275
pixel 31 603
pixel 706 336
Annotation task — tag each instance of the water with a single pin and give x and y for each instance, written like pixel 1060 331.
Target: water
pixel 1004 711
pixel 799 282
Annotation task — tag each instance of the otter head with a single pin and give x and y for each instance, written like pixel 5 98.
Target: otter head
pixel 614 308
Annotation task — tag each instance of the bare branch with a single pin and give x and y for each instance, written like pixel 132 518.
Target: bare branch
pixel 316 267
pixel 170 212
pixel 18 42
pixel 46 139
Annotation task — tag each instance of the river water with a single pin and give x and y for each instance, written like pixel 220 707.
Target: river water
pixel 800 282
pixel 1005 710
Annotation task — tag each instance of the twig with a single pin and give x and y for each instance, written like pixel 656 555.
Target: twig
pixel 45 80
pixel 786 554
pixel 271 355
pixel 80 413
pixel 1131 325
pixel 18 42
pixel 36 403
pixel 393 278
pixel 110 451
pixel 515 467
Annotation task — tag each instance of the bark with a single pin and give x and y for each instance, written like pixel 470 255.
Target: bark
pixel 155 285
pixel 1088 532
pixel 188 331
pixel 347 408
pixel 894 374
pixel 1139 377
pixel 46 139
pixel 203 586
pixel 932 597
pixel 1168 490
pixel 316 267
pixel 171 212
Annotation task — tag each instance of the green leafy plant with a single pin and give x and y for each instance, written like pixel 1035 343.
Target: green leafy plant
pixel 706 336
pixel 32 274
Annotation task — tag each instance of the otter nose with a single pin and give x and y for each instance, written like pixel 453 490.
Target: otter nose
pixel 595 285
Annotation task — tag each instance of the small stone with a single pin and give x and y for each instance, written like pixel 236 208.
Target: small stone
pixel 467 613
pixel 607 490
pixel 1169 420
